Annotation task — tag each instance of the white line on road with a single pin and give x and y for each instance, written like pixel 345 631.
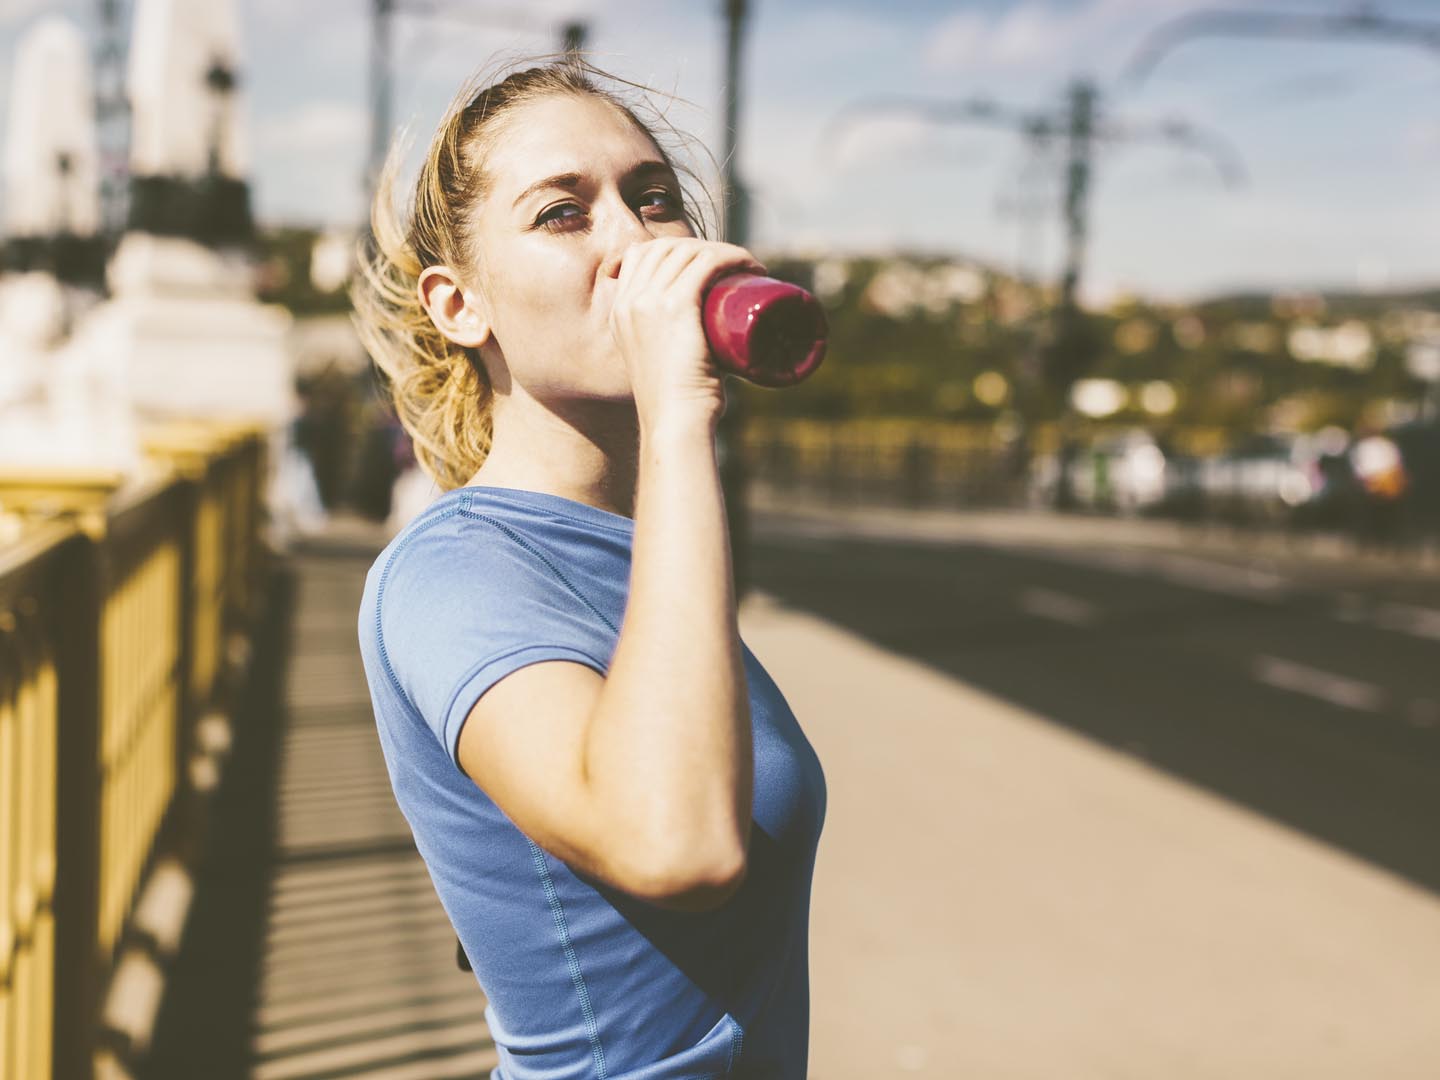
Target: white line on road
pixel 1409 619
pixel 1327 686
pixel 1218 576
pixel 1187 571
pixel 1061 607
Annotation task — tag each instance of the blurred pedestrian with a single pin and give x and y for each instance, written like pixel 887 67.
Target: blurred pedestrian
pixel 376 464
pixel 296 509
pixel 322 431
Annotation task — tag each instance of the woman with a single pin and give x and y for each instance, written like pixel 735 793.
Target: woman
pixel 618 810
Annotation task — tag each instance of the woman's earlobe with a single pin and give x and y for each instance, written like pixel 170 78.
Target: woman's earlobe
pixel 475 328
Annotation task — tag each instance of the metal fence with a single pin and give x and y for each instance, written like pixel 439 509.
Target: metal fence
pixel 897 462
pixel 119 603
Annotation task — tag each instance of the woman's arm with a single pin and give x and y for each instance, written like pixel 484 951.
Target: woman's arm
pixel 669 746
pixel 645 778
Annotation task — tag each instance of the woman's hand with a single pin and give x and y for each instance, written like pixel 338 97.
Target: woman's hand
pixel 656 324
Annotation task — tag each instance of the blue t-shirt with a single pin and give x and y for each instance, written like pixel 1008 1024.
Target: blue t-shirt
pixel 583 980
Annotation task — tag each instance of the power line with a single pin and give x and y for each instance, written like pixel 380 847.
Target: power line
pixel 1361 23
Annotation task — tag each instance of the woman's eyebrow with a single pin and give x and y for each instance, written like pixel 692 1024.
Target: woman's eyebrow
pixel 571 180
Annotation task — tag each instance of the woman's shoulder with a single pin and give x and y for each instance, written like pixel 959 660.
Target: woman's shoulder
pixel 445 542
pixel 474 541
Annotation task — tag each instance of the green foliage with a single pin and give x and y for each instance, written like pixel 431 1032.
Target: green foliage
pixel 284 254
pixel 1228 360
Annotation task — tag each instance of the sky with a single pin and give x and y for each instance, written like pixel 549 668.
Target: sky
pixel 1338 141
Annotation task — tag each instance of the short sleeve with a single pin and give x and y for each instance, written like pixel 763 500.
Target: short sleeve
pixel 460 605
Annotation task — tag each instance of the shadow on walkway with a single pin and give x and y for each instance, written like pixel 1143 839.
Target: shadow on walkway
pixel 317 948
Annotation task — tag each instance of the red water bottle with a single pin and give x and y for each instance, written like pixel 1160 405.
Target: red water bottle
pixel 765 330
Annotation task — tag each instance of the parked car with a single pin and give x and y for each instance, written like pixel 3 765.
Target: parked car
pixel 1417 476
pixel 1128 473
pixel 1280 479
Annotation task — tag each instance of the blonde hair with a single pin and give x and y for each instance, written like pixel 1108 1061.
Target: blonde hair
pixel 440 390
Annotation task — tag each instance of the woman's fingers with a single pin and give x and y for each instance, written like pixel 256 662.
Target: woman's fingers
pixel 688 262
pixel 637 263
pixel 710 265
pixel 656 323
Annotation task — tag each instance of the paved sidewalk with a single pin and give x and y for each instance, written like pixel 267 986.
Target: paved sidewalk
pixel 358 975
pixel 997 897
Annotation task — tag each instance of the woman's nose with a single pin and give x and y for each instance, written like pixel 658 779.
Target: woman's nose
pixel 624 227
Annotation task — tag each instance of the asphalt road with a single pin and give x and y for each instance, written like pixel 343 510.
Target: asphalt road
pixel 1308 691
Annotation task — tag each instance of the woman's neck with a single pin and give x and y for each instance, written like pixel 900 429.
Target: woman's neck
pixel 587 451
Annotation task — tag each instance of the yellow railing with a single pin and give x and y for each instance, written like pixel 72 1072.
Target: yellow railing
pixel 906 460
pixel 915 461
pixel 117 605
pixel 29 718
pixel 139 649
pixel 207 597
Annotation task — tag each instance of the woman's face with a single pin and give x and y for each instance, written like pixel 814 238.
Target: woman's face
pixel 550 249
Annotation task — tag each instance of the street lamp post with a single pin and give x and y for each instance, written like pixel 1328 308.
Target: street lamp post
pixel 729 434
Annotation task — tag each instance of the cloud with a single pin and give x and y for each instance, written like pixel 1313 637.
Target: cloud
pixel 14 11
pixel 879 138
pixel 1422 140
pixel 278 14
pixel 1035 34
pixel 1007 38
pixel 315 128
pixel 956 40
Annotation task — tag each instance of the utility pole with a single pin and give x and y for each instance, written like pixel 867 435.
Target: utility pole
pixel 573 35
pixel 729 432
pixel 382 80
pixel 1071 352
pixel 112 119
pixel 737 217
pixel 1071 345
pixel 1085 127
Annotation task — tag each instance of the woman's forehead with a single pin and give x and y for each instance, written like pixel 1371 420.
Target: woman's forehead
pixel 564 134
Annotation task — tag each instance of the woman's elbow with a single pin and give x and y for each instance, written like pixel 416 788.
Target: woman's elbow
pixel 695 884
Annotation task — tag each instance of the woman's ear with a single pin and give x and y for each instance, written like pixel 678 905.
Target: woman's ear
pixel 453 309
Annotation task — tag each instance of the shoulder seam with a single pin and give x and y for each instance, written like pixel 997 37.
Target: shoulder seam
pixel 559 576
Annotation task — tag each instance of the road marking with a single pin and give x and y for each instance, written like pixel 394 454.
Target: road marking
pixel 1061 607
pixel 1218 576
pixel 1187 571
pixel 1409 619
pixel 1313 682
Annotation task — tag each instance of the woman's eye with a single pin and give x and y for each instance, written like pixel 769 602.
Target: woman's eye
pixel 548 218
pixel 552 217
pixel 662 193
